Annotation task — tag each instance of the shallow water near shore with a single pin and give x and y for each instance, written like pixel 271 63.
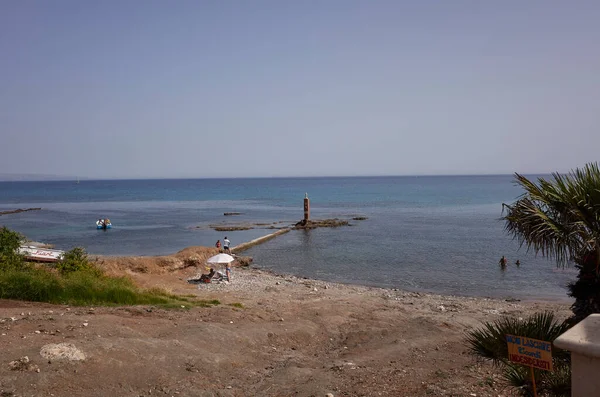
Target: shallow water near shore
pixel 435 234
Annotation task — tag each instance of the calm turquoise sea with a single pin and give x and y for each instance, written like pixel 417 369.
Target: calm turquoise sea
pixel 439 234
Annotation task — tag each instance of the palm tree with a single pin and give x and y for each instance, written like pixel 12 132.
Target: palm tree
pixel 560 218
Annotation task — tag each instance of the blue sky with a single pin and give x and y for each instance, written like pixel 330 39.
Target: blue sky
pixel 127 89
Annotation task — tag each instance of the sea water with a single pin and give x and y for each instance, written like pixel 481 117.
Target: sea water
pixel 434 233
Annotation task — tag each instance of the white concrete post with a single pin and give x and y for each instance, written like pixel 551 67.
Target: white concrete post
pixel 583 341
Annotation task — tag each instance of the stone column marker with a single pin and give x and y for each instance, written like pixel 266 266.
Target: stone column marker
pixel 306 208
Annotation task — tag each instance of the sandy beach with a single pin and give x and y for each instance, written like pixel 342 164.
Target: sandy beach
pixel 271 335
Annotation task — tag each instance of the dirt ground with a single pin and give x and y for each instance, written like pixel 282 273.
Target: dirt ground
pixel 291 337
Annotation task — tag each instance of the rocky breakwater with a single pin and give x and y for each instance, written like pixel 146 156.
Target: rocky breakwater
pixel 19 210
pixel 334 222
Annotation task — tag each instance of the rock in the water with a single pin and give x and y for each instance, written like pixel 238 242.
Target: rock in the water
pixel 310 224
pixel 62 351
pixel 17 211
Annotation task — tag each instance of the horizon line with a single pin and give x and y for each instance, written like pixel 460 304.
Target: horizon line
pixel 70 179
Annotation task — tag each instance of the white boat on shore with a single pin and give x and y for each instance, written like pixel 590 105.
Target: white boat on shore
pixel 40 254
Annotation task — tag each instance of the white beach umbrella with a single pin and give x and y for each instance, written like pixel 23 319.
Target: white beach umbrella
pixel 220 259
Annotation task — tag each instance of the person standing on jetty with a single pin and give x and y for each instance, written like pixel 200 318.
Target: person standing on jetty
pixel 226 244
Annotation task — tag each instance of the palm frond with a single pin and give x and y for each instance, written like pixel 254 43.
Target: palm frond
pixel 518 377
pixel 552 384
pixel 559 217
pixel 489 342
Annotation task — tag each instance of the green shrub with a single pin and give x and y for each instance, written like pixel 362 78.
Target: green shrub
pixel 9 241
pixel 80 288
pixel 84 287
pixel 33 284
pixel 489 342
pixel 77 282
pixel 76 260
pixel 9 250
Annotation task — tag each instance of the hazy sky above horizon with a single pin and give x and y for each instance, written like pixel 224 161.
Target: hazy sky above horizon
pixel 297 88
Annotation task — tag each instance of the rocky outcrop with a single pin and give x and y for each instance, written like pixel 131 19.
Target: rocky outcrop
pixel 17 211
pixel 335 222
pixel 230 228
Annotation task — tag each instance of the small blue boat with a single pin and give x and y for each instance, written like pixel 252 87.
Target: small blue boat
pixel 103 224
